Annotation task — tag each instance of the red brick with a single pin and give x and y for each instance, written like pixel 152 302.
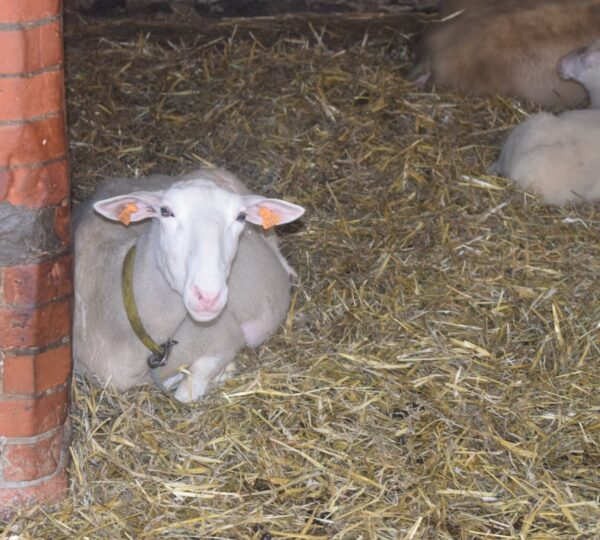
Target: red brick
pixel 32 374
pixel 26 51
pixel 13 499
pixel 29 10
pixel 23 98
pixel 39 283
pixel 24 328
pixel 32 143
pixel 35 187
pixel 26 462
pixel 30 417
pixel 62 223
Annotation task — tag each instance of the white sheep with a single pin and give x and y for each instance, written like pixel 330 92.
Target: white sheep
pixel 559 156
pixel 205 274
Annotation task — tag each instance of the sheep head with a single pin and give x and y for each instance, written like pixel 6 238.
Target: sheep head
pixel 198 226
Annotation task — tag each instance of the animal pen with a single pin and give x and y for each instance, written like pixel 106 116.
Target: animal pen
pixel 438 374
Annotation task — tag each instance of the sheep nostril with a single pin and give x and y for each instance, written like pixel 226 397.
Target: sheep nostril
pixel 197 292
pixel 206 299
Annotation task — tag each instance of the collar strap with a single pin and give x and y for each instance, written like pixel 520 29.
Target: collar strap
pixel 159 354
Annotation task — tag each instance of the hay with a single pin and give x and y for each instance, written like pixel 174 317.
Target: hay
pixel 438 374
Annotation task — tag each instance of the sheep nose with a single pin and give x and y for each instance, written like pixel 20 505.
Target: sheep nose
pixel 207 300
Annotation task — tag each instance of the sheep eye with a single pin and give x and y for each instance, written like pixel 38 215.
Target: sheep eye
pixel 241 217
pixel 166 212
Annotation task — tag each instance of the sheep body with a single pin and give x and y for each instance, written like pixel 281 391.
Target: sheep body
pixel 104 343
pixel 487 47
pixel 557 156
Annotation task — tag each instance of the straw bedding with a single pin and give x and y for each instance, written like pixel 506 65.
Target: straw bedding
pixel 437 376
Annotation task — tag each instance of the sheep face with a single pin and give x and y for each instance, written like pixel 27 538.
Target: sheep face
pixel 198 229
pixel 582 65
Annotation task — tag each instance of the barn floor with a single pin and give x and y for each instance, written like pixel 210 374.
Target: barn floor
pixel 438 374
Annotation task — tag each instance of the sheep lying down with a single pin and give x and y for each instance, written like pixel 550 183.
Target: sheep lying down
pixel 558 157
pixel 507 47
pixel 206 274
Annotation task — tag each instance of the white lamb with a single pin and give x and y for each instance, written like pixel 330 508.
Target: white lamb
pixel 206 274
pixel 559 156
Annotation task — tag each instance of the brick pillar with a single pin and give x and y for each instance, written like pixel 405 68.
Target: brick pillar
pixel 35 259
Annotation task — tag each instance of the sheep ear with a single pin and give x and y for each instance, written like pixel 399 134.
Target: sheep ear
pixel 133 207
pixel 270 212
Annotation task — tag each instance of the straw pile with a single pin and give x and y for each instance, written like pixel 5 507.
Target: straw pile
pixel 438 373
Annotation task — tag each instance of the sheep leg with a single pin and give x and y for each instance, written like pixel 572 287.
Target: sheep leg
pixel 203 374
pixel 228 373
pixel 421 73
pixel 174 380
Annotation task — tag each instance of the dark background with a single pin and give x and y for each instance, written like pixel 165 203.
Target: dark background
pixel 247 8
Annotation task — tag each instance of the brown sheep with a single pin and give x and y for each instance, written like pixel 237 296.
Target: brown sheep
pixel 510 47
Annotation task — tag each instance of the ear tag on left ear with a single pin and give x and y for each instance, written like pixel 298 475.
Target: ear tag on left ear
pixel 125 213
pixel 269 218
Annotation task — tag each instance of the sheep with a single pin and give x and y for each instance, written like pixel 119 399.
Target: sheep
pixel 205 275
pixel 557 156
pixel 510 48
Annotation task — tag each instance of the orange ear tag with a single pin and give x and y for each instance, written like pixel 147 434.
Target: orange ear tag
pixel 125 213
pixel 269 218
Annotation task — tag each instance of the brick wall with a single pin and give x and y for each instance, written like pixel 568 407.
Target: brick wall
pixel 35 259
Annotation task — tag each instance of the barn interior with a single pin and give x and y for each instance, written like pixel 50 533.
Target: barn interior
pixel 437 375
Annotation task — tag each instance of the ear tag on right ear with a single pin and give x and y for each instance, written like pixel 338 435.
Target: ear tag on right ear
pixel 269 218
pixel 125 213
